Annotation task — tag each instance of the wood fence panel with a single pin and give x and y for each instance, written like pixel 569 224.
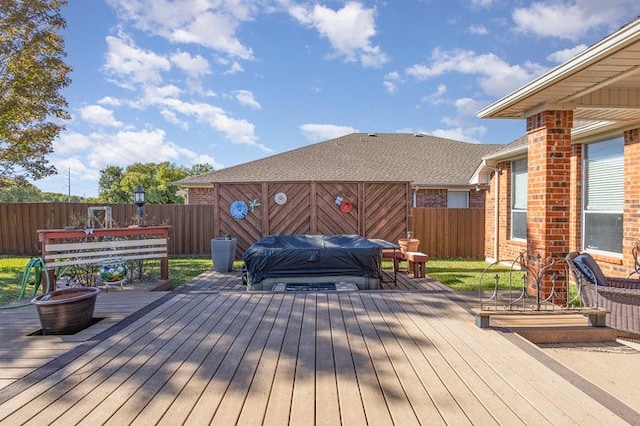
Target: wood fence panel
pixel 331 220
pixel 386 210
pixel 294 216
pixel 448 233
pixel 380 213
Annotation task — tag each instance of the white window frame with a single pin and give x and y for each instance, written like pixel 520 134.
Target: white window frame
pixel 608 200
pixel 518 206
pixel 456 200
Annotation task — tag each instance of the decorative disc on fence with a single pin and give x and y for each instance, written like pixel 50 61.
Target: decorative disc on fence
pixel 346 207
pixel 280 198
pixel 238 209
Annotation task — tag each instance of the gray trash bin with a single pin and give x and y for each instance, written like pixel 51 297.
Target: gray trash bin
pixel 223 250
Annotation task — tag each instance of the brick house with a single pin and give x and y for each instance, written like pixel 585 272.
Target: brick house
pixel 573 181
pixel 437 168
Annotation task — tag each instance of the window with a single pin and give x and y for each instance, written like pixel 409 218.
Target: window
pixel 457 199
pixel 603 196
pixel 519 181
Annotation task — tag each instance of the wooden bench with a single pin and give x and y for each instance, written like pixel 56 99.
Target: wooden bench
pixel 595 316
pixel 67 248
pixel 417 263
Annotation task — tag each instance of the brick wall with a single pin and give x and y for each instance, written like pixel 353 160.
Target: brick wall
pixel 201 196
pixel 437 198
pixel 431 198
pixel 508 249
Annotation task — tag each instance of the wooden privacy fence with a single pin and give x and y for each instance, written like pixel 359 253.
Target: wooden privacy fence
pixel 443 232
pixel 449 233
pixel 190 233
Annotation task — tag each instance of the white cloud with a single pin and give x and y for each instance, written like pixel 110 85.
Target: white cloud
pixel 349 30
pixel 481 3
pixel 127 147
pixel 496 77
pixel 571 19
pixel 435 98
pixel 466 134
pixel 234 68
pixel 212 24
pixel 95 114
pixel 320 132
pixel 563 55
pixel 468 106
pixel 391 81
pixel 245 97
pixel 478 30
pixel 110 101
pixel 131 65
pixel 70 142
pixel 236 130
pixel 195 66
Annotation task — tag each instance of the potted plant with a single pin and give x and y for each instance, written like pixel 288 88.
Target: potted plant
pixel 66 311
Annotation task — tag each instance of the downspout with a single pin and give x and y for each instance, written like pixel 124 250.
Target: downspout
pixel 496 220
pixel 415 196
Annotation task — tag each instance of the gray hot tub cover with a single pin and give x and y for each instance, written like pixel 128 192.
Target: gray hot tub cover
pixel 312 255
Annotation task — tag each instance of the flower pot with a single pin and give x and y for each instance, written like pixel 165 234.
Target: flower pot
pixel 408 244
pixel 223 250
pixel 66 311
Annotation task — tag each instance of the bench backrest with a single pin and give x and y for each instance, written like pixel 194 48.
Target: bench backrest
pixel 85 253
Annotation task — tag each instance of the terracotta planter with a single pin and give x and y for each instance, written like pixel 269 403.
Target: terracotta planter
pixel 408 244
pixel 66 311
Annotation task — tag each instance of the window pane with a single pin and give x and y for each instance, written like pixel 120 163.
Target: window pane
pixel 603 232
pixel 604 195
pixel 519 184
pixel 457 199
pixel 604 173
pixel 519 225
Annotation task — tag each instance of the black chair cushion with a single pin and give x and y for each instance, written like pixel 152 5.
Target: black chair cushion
pixel 590 269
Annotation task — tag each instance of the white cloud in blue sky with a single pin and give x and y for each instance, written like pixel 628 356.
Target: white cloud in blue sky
pixel 229 82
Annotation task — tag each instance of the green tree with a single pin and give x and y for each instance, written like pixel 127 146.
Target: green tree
pixel 32 74
pixel 116 185
pixel 200 169
pixel 20 192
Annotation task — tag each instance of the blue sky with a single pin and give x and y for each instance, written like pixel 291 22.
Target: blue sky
pixel 226 82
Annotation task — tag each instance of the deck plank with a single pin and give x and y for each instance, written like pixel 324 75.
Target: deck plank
pixel 278 408
pixel 304 385
pixel 256 402
pixel 326 400
pixel 179 371
pixel 351 408
pixel 190 395
pixel 148 382
pixel 108 372
pixel 551 398
pixel 243 377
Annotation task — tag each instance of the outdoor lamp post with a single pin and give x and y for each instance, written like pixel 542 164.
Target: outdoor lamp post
pixel 139 199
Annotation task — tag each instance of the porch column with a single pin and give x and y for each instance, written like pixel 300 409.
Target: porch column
pixel 631 216
pixel 548 190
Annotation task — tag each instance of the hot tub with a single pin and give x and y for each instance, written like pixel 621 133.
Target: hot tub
pixel 313 259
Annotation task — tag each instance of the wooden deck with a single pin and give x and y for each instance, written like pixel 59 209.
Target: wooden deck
pixel 212 353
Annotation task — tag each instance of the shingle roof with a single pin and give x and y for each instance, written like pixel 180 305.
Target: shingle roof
pixel 386 157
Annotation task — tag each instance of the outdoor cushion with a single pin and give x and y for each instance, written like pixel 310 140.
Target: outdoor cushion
pixel 588 266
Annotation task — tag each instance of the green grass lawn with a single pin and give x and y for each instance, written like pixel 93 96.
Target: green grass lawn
pixel 458 274
pixel 181 270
